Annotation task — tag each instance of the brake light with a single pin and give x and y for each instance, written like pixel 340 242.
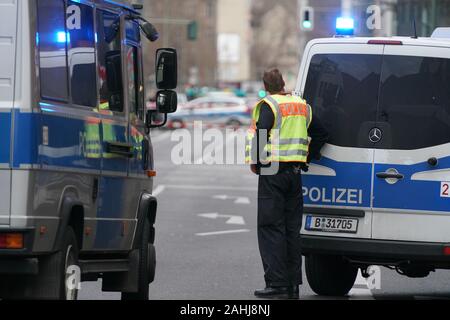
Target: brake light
pixel 447 251
pixel 11 241
pixel 386 42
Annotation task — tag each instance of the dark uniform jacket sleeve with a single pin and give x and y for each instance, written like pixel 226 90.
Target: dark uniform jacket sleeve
pixel 319 136
pixel 263 126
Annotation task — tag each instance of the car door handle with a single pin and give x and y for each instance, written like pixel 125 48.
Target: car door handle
pixel 390 175
pixel 120 148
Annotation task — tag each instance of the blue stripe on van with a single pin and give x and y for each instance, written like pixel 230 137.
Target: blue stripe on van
pixel 350 187
pixel 5 137
pixel 410 194
pixel 26 138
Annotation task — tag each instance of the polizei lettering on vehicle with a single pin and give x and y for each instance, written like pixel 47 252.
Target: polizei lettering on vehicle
pixel 333 195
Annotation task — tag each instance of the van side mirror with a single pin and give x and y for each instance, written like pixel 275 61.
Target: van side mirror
pixel 166 69
pixel 166 101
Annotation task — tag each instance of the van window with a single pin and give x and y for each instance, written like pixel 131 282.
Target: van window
pixel 133 81
pixel 52 39
pixel 109 61
pixel 415 101
pixel 342 90
pixel 83 79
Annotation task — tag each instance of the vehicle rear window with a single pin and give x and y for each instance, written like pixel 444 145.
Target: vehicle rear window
pixel 415 101
pixel 343 92
pixel 81 57
pixel 52 38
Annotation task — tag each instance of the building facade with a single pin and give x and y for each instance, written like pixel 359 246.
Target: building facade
pixel 429 14
pixel 234 34
pixel 275 41
pixel 197 58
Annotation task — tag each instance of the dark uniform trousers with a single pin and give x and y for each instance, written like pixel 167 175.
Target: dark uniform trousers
pixel 280 207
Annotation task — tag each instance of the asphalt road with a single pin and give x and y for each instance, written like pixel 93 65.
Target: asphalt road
pixel 206 238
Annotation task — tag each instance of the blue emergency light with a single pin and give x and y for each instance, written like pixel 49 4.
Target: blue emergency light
pixel 345 26
pixel 62 37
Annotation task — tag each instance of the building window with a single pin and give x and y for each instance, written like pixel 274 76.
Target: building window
pixel 81 55
pixel 52 38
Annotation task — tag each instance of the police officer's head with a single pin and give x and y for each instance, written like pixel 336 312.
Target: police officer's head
pixel 273 81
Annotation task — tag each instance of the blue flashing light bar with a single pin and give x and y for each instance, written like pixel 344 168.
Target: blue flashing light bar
pixel 345 26
pixel 62 37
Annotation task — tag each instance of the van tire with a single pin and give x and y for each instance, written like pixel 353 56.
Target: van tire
pixel 330 275
pixel 147 265
pixel 51 283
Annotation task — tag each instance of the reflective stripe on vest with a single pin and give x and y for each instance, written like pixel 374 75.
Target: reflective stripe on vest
pixel 288 139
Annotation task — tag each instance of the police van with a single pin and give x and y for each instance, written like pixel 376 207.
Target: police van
pixel 76 161
pixel 380 194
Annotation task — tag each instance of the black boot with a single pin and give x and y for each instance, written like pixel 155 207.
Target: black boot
pixel 273 292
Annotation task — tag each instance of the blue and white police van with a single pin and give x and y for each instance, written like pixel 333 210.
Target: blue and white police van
pixel 380 194
pixel 76 161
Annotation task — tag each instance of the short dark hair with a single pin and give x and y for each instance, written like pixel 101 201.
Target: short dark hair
pixel 273 81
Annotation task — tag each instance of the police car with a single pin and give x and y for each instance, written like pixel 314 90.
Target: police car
pixel 76 162
pixel 214 110
pixel 380 194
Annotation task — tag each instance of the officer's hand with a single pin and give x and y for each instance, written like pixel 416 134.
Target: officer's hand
pixel 253 168
pixel 304 167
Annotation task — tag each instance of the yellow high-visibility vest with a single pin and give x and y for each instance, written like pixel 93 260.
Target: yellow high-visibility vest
pixel 288 138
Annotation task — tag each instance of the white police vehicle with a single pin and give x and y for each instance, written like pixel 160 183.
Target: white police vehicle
pixel 380 195
pixel 75 158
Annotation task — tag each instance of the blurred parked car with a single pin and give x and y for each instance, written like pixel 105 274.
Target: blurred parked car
pixel 212 110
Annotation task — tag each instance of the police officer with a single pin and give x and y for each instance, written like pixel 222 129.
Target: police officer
pixel 278 149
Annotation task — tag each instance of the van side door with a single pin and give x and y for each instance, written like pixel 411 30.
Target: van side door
pixel 412 160
pixel 112 214
pixel 341 84
pixel 138 182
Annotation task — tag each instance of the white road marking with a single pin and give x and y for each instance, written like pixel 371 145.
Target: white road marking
pixel 360 292
pixel 237 200
pixel 221 232
pixel 230 218
pixel 158 190
pixel 360 288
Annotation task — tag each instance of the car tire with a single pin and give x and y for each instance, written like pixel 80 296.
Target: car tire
pixel 146 269
pixel 53 279
pixel 330 275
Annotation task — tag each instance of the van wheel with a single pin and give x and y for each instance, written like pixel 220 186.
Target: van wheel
pixel 147 264
pixel 330 275
pixel 56 279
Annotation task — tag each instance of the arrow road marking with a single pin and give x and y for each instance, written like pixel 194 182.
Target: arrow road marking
pixel 231 219
pixel 237 200
pixel 221 232
pixel 158 190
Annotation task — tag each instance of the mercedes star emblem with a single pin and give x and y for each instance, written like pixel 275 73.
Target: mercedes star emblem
pixel 375 135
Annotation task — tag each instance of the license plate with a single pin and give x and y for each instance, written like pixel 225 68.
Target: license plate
pixel 329 224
